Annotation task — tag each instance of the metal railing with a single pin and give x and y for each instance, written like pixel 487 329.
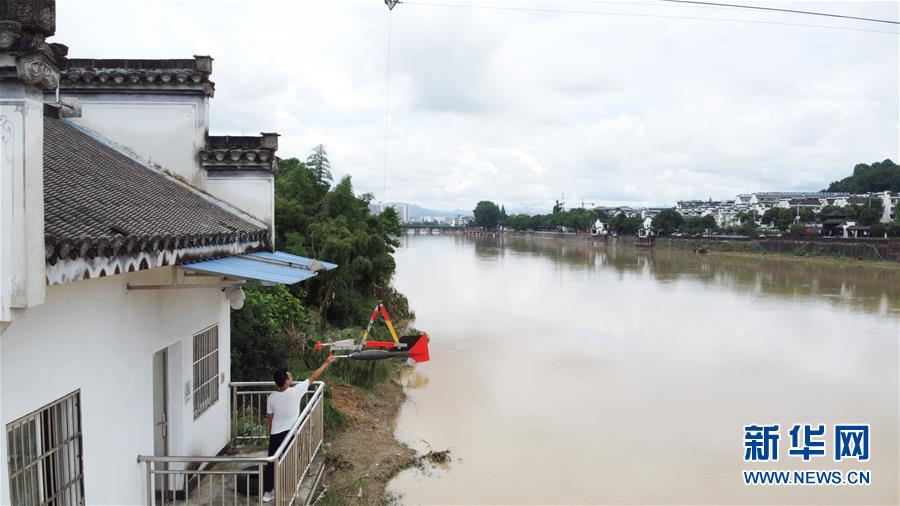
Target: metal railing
pixel 248 412
pixel 238 480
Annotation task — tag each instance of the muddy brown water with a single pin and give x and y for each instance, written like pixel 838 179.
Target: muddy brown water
pixel 566 373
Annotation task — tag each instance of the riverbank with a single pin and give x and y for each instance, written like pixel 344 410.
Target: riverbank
pixel 363 455
pixel 813 259
pixel 874 252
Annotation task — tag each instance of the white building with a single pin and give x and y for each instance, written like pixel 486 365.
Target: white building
pixel 116 210
pixel 461 221
pixel 402 211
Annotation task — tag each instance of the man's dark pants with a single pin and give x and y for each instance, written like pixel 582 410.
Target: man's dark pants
pixel 275 441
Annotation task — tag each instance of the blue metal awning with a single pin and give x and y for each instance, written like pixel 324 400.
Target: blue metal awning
pixel 267 267
pixel 287 258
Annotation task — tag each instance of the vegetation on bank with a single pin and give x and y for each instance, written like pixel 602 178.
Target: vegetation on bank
pixel 880 176
pixel 278 326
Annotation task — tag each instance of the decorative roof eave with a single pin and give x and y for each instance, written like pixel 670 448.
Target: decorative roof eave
pixel 95 258
pixel 245 159
pixel 136 76
pixel 226 152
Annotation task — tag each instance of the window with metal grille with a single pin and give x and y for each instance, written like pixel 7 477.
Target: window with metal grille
pixel 44 455
pixel 206 369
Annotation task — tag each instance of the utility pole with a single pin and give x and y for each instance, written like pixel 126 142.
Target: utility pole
pixel 391 4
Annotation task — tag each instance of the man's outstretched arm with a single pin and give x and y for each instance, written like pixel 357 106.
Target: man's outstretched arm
pixel 318 372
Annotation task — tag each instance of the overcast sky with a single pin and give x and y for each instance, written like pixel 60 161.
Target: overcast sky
pixel 636 103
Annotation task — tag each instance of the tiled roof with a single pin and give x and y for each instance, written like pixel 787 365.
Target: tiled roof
pixel 98 202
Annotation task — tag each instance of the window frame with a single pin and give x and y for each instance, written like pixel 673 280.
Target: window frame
pixel 45 454
pixel 205 369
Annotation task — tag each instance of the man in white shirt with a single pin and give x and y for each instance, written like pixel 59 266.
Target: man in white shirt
pixel 282 411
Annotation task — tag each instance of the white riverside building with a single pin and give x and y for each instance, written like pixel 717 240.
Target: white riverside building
pixel 117 185
pixel 726 211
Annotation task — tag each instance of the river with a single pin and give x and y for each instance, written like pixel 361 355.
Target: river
pixel 562 372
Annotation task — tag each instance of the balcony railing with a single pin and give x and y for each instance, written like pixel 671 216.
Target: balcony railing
pixel 181 480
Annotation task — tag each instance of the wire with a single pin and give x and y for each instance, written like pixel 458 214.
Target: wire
pixel 792 11
pixel 664 16
pixel 387 103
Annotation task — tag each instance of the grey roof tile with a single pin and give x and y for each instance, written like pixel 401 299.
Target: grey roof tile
pixel 98 201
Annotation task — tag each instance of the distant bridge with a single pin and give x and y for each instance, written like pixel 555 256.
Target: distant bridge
pixel 429 228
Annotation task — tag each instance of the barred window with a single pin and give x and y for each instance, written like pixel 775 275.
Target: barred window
pixel 44 455
pixel 206 369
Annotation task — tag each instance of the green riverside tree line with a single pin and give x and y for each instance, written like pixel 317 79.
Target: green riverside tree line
pixel 877 177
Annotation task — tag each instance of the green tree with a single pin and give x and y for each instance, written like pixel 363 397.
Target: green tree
pixel 779 217
pixel 264 332
pixel 797 229
pixel 807 215
pixel 748 228
pixel 318 162
pixel 625 225
pixel 870 213
pixel 519 222
pixel 879 176
pixel 708 223
pixel 487 214
pixel 579 219
pixel 746 216
pixel 667 221
pixel 334 224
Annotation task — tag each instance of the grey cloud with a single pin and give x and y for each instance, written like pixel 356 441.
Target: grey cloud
pixel 521 108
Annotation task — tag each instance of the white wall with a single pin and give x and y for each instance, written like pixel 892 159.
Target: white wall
pixel 97 336
pixel 21 198
pixel 166 130
pixel 250 191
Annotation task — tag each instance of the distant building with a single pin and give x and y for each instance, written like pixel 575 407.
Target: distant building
pixel 402 211
pixel 401 208
pixel 461 221
pixel 891 202
pixel 613 211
